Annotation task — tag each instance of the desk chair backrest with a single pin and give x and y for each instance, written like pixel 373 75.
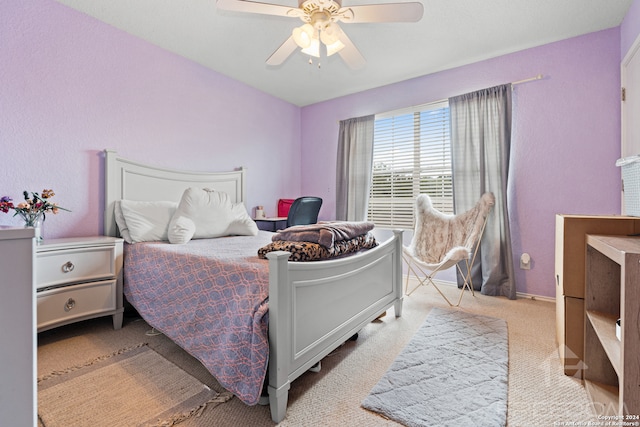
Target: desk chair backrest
pixel 304 210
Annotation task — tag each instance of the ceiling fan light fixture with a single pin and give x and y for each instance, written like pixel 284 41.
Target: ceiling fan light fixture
pixel 314 48
pixel 303 35
pixel 330 34
pixel 334 47
pixel 320 35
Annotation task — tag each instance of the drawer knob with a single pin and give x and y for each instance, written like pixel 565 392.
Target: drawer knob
pixel 68 267
pixel 70 304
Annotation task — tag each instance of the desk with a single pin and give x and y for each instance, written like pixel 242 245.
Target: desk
pixel 271 224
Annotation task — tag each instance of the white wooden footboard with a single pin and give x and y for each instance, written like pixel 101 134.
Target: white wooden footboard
pixel 314 307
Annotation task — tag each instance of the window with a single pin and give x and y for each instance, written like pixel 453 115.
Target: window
pixel 411 155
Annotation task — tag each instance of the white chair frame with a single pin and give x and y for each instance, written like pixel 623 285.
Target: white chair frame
pixel 428 271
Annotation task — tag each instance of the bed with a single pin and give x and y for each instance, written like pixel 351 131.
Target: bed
pixel 311 307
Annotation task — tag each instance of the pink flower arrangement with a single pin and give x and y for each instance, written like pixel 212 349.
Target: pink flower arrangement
pixel 34 207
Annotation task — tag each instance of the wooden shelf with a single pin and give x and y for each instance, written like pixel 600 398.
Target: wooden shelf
pixel 605 396
pixel 612 291
pixel 616 247
pixel 605 327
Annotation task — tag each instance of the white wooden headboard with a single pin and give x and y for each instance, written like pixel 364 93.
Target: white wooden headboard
pixel 125 179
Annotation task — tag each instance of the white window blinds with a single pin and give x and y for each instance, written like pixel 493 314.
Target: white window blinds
pixel 411 155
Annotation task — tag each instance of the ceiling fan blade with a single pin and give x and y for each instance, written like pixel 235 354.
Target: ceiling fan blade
pixel 283 52
pixel 389 12
pixel 256 7
pixel 350 53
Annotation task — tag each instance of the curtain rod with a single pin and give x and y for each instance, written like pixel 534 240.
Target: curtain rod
pixel 530 79
pixel 393 112
pixel 538 77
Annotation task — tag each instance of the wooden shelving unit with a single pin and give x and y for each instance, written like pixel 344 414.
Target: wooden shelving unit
pixel 612 365
pixel 570 249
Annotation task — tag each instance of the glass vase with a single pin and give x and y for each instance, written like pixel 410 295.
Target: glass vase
pixel 36 221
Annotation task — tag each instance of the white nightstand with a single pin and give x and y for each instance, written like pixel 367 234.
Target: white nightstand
pixel 78 278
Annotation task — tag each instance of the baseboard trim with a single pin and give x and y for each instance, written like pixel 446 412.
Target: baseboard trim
pixel 535 297
pixel 520 295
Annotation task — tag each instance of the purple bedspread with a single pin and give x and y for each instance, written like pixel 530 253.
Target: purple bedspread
pixel 209 296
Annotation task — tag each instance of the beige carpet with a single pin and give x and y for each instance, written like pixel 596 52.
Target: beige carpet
pixel 539 394
pixel 151 391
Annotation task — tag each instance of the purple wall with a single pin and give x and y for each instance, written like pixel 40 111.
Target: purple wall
pixel 73 86
pixel 630 28
pixel 566 137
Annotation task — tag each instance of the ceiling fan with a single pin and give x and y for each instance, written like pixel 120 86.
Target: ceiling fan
pixel 320 34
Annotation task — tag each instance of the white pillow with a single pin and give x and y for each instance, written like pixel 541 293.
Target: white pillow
pixel 146 221
pixel 204 214
pixel 121 223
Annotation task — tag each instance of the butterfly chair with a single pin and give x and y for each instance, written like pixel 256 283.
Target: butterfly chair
pixel 441 241
pixel 304 210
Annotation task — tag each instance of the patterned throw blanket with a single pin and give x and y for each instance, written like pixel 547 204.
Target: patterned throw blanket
pixel 210 296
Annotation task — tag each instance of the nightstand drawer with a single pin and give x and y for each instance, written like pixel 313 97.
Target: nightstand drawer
pixel 70 302
pixel 74 265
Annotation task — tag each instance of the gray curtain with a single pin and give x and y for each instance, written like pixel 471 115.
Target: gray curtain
pixel 480 142
pixel 353 172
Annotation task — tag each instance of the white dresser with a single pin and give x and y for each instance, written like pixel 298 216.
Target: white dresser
pixel 78 278
pixel 17 328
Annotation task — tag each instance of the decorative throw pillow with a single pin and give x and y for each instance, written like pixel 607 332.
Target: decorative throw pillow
pixel 204 214
pixel 146 221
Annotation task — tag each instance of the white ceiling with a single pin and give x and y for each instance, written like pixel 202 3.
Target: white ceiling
pixel 451 33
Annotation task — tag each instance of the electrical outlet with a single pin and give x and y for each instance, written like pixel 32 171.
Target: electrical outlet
pixel 525 261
